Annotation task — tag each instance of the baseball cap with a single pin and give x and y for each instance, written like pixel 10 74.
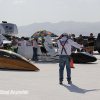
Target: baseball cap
pixel 65 34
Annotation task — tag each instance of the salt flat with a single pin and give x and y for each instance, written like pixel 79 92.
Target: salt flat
pixel 44 84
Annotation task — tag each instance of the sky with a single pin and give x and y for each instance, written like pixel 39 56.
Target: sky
pixel 25 12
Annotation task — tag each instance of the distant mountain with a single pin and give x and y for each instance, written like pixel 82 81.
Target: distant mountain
pixel 70 27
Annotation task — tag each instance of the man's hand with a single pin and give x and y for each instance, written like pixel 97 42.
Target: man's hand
pixel 88 49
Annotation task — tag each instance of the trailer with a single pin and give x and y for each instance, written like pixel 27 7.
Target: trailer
pixel 6 32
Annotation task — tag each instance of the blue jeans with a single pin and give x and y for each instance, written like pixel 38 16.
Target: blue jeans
pixel 34 53
pixel 64 60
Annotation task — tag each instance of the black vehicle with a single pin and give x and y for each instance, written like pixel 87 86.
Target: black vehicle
pixel 8 37
pixel 83 57
pixel 97 43
pixel 27 38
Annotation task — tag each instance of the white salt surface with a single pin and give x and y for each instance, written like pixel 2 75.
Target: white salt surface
pixel 44 85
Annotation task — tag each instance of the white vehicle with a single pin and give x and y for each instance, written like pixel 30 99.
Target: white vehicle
pixel 46 54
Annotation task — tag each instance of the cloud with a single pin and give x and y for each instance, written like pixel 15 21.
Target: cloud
pixel 19 2
pixel 88 0
pixel 0 1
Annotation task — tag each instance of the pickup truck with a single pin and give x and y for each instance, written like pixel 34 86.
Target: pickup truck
pixel 97 43
pixel 5 41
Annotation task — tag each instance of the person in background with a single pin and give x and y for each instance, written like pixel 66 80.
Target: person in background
pixel 73 37
pixel 1 43
pixel 10 48
pixel 91 43
pixel 35 46
pixel 43 50
pixel 80 41
pixel 42 42
pixel 22 42
pixel 64 50
pixel 14 44
pixel 69 36
pixel 73 49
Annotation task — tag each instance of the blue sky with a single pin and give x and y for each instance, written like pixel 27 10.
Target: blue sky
pixel 25 12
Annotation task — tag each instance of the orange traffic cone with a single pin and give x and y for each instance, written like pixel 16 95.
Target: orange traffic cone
pixel 71 64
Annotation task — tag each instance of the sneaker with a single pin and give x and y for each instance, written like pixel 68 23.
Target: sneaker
pixel 69 82
pixel 60 82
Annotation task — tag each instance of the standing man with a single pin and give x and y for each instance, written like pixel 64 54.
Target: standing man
pixel 91 43
pixel 1 42
pixel 80 41
pixel 42 42
pixel 14 44
pixel 64 50
pixel 35 46
pixel 22 42
pixel 74 39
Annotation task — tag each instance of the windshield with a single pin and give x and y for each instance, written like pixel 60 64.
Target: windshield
pixel 3 37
